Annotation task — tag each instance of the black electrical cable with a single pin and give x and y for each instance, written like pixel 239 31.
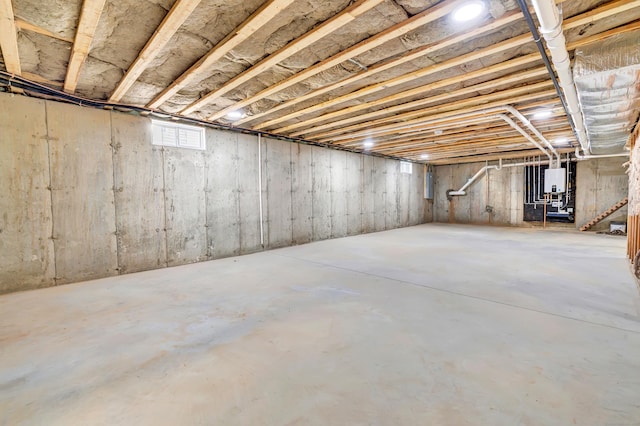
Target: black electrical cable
pixel 545 59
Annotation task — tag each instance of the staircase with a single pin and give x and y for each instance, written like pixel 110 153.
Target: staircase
pixel 617 206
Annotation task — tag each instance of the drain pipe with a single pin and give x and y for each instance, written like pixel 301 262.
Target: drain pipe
pixel 551 29
pixel 591 156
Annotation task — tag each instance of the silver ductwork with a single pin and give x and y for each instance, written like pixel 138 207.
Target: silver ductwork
pixel 607 77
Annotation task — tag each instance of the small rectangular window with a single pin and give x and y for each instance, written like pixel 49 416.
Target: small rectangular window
pixel 178 135
pixel 406 167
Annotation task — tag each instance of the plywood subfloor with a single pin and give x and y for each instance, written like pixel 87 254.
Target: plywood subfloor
pixel 429 325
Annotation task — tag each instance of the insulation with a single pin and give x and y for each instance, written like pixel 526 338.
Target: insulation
pixel 606 76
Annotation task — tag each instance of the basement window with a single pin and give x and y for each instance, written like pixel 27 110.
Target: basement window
pixel 178 135
pixel 406 167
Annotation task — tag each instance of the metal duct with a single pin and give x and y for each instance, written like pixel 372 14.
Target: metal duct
pixel 607 76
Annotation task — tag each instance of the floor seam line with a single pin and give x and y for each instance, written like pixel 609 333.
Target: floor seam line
pixel 457 293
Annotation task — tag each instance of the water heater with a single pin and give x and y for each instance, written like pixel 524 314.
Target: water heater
pixel 554 180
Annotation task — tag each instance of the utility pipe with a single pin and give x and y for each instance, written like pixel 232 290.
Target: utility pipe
pixel 492 112
pixel 526 135
pixel 519 129
pixel 260 189
pixel 545 58
pixel 551 29
pixel 593 156
pixel 461 191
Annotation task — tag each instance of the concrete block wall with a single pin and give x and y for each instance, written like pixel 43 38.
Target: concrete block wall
pixel 600 184
pixel 86 195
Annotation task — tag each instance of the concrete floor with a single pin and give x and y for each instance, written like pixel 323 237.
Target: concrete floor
pixel 429 325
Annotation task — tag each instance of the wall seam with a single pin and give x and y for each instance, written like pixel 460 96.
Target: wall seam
pixel 164 204
pixel 113 146
pixel 206 201
pixel 53 238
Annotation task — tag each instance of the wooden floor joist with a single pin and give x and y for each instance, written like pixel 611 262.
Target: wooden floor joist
pixel 89 17
pixel 8 38
pixel 515 42
pixel 199 70
pixel 415 119
pixel 614 208
pixel 179 13
pixel 398 30
pixel 336 22
pixel 22 24
pixel 428 100
pixel 386 65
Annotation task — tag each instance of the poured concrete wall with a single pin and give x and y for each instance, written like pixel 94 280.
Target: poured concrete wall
pixel 600 183
pixel 501 190
pixel 86 195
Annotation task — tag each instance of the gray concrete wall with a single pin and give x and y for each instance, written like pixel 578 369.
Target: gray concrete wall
pixel 600 183
pixel 502 190
pixel 86 195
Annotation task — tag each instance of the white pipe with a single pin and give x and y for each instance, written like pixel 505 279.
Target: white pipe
pixel 260 188
pixel 533 129
pixel 526 135
pixel 592 156
pixel 514 125
pixel 461 191
pixel 490 112
pixel 551 29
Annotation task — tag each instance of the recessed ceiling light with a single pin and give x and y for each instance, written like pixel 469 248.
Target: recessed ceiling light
pixel 540 115
pixel 235 115
pixel 468 11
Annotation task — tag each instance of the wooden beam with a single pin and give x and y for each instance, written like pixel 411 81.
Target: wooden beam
pixel 338 21
pixel 384 66
pixel 602 12
pixel 488 85
pixel 405 78
pixel 393 32
pixel 199 70
pixel 179 13
pixel 477 55
pixel 500 98
pixel 24 25
pixel 432 118
pixel 39 79
pixel 514 62
pixel 89 17
pixel 8 38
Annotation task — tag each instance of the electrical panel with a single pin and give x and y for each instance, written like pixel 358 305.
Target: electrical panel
pixel 554 180
pixel 428 186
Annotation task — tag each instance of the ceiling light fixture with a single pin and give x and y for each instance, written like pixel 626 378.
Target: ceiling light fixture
pixel 469 11
pixel 541 115
pixel 562 141
pixel 368 143
pixel 235 115
pixel 424 156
